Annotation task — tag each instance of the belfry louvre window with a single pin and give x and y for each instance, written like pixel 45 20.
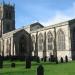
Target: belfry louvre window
pixel 50 40
pixel 60 40
pixel 40 42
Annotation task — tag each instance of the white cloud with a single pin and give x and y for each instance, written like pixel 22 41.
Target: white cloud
pixel 61 16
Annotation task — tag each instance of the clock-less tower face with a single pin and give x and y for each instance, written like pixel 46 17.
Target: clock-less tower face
pixel 7 15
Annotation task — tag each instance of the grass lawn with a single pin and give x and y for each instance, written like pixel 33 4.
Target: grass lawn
pixel 49 69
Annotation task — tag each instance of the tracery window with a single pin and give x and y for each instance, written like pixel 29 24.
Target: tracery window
pixel 40 42
pixel 60 40
pixel 0 13
pixel 49 40
pixel 73 39
pixel 8 51
pixel 0 47
pixel 33 40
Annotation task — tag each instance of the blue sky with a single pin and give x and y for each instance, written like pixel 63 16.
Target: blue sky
pixel 46 12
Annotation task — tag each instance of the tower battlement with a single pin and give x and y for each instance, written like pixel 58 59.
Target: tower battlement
pixel 9 3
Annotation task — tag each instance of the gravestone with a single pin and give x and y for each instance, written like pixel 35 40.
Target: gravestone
pixel 56 60
pixel 38 59
pixel 52 58
pixel 61 60
pixel 41 59
pixel 49 59
pixel 1 61
pixel 66 59
pixel 45 59
pixel 13 65
pixel 28 62
pixel 40 70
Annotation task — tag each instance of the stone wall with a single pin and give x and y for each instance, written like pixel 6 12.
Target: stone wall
pixel 65 28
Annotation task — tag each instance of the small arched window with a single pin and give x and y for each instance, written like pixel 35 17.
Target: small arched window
pixel 60 40
pixel 49 40
pixel 40 41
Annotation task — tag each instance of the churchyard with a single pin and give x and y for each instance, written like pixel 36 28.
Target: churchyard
pixel 50 68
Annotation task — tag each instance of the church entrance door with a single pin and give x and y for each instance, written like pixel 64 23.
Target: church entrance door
pixel 23 46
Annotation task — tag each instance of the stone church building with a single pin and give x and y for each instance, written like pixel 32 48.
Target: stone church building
pixel 35 39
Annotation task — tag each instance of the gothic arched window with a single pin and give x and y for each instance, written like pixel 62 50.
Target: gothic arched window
pixel 33 40
pixel 40 41
pixel 0 47
pixel 8 43
pixel 60 40
pixel 49 40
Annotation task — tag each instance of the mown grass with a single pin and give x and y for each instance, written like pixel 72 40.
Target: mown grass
pixel 49 68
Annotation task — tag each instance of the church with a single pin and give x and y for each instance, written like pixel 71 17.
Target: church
pixel 35 39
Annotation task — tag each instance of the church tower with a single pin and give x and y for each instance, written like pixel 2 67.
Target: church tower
pixel 7 18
